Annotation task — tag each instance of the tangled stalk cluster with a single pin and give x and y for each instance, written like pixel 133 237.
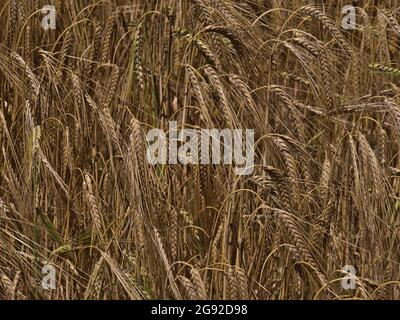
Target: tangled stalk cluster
pixel 77 192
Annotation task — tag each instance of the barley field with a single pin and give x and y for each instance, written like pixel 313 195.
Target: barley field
pixel 318 218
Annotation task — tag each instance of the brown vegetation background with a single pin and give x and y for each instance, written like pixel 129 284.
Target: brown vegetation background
pixel 77 192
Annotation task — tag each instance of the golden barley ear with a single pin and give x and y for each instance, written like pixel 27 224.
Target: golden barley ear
pixel 110 25
pixel 329 24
